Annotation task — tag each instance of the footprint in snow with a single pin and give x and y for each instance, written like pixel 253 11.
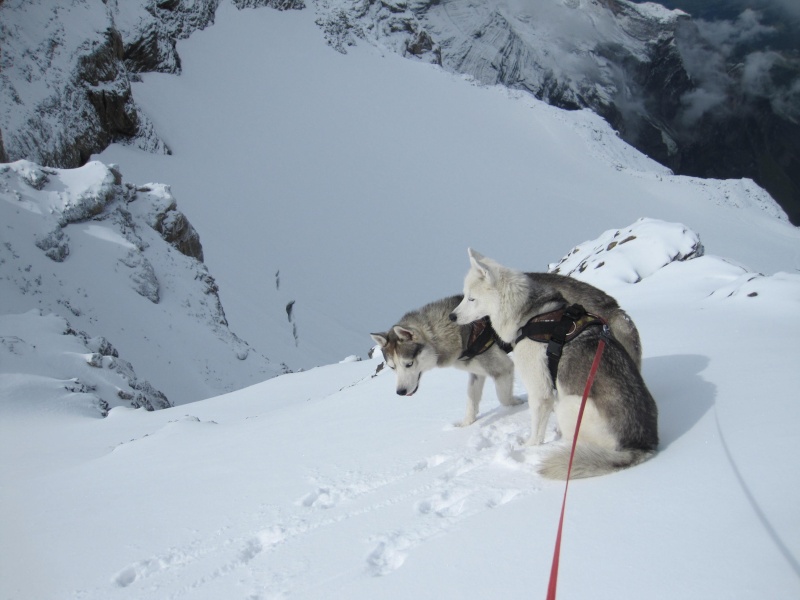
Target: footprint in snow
pixel 147 567
pixel 322 497
pixel 447 503
pixel 263 540
pixel 389 554
pixel 431 462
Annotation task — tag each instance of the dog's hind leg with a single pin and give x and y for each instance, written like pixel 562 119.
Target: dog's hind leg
pixel 474 394
pixel 540 415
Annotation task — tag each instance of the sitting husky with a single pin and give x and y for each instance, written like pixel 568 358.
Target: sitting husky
pixel 427 338
pixel 619 427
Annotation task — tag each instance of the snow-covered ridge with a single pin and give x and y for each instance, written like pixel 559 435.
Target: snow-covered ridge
pixel 123 262
pixel 630 254
pixel 569 53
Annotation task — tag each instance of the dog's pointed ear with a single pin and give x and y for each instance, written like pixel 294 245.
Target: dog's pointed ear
pixel 405 334
pixel 474 254
pixel 381 339
pixel 477 260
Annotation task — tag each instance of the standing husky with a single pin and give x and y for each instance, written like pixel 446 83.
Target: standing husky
pixel 427 338
pixel 620 420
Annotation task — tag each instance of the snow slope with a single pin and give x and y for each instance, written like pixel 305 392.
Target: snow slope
pixel 324 484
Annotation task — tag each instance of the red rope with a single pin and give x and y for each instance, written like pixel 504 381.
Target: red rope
pixel 551 588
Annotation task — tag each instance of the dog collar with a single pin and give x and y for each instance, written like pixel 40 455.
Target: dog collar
pixel 481 338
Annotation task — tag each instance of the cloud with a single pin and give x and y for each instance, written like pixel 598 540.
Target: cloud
pixel 726 36
pixel 790 8
pixel 776 78
pixel 718 57
pixel 756 78
pixel 700 101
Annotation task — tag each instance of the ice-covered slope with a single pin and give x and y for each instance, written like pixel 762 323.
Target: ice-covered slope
pixel 362 178
pixel 325 484
pixel 123 263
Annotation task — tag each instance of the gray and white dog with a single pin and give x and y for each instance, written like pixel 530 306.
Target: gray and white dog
pixel 620 422
pixel 426 338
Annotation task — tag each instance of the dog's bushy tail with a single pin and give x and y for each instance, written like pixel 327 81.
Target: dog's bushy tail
pixel 589 461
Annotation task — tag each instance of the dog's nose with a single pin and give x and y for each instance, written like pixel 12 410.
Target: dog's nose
pixel 401 392
pixel 453 316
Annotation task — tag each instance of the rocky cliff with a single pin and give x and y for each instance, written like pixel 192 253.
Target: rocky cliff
pixel 66 71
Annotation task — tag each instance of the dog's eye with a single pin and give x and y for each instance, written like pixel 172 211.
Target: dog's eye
pixel 470 299
pixel 409 364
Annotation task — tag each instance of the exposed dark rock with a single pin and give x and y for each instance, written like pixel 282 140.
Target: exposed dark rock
pixel 176 229
pixel 276 4
pixel 55 245
pixel 151 45
pixel 3 155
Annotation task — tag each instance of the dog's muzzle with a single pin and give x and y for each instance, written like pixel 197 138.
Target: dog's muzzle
pixel 405 392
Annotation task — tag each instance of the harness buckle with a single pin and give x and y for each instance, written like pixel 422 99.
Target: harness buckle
pixel 555 348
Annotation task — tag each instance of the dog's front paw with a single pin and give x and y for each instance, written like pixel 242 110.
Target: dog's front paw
pixel 515 401
pixel 465 422
pixel 534 441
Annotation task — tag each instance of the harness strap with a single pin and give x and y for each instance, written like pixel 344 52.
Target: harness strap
pixel 481 338
pixel 556 328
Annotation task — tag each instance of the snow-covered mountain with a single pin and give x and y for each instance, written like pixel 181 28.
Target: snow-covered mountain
pixel 332 193
pixel 122 266
pixel 681 91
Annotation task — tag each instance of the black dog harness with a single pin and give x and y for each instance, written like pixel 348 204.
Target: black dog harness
pixel 556 328
pixel 481 338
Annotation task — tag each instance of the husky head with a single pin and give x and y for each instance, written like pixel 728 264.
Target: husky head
pixel 406 352
pixel 481 295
